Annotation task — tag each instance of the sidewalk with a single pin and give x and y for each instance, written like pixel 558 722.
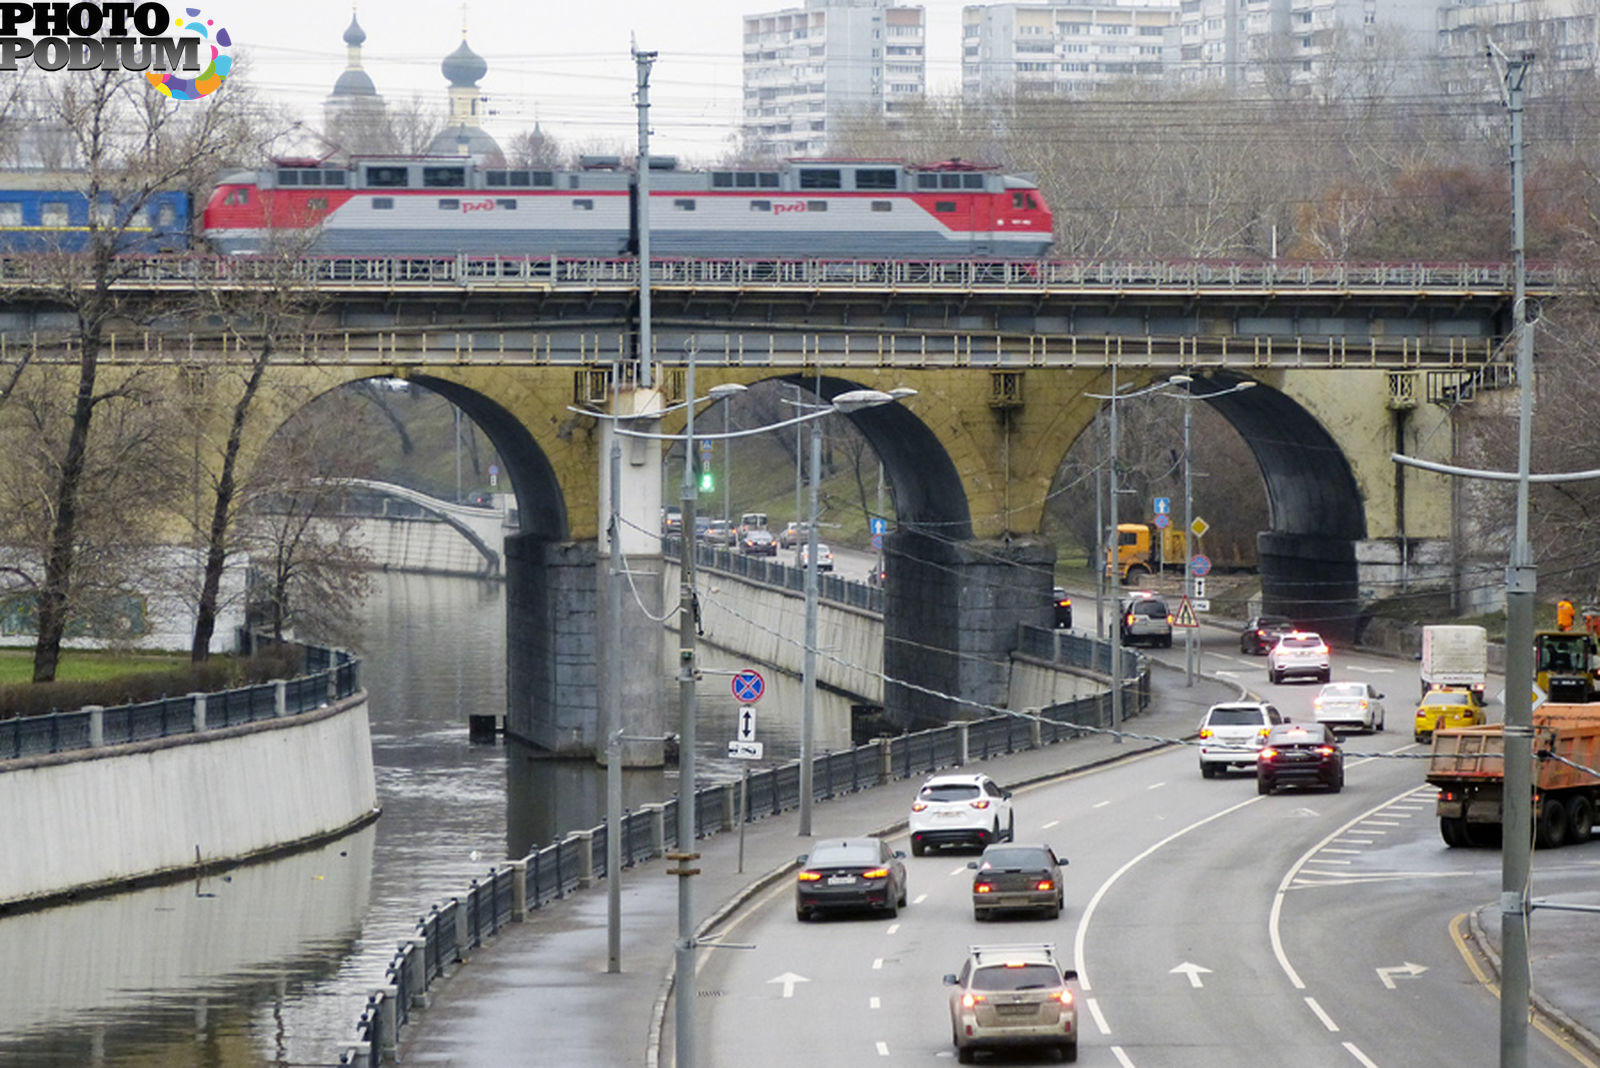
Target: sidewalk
pixel 540 995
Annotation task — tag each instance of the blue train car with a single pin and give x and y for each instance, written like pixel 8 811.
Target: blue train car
pixel 48 211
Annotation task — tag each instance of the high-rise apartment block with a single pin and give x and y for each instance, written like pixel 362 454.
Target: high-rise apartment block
pixel 805 69
pixel 1063 49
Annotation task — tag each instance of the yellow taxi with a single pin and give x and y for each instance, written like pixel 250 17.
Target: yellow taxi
pixel 1446 708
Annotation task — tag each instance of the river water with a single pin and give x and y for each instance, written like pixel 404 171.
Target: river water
pixel 271 964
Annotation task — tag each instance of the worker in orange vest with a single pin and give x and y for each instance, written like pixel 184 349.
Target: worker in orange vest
pixel 1565 615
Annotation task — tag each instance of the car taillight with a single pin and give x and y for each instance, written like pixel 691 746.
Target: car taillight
pixel 809 876
pixel 1063 996
pixel 980 803
pixel 1325 750
pixel 1316 702
pixel 876 873
pixel 1268 753
pixel 969 1000
pixel 918 806
pixel 1169 618
pixel 1045 884
pixel 1205 732
pixel 1322 649
pixel 1129 620
pixel 983 888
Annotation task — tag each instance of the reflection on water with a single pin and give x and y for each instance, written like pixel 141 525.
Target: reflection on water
pixel 272 964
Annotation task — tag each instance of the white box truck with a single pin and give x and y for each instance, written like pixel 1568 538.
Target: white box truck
pixel 1455 656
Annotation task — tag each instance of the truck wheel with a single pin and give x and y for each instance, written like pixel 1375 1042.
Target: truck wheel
pixel 1453 829
pixel 1580 820
pixel 1551 830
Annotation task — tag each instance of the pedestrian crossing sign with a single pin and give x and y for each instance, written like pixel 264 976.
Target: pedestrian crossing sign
pixel 1185 615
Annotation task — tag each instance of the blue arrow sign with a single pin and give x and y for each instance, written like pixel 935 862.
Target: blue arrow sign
pixel 1163 506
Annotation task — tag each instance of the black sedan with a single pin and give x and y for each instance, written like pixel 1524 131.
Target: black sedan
pixel 1022 877
pixel 1262 633
pixel 1300 754
pixel 850 873
pixel 1063 603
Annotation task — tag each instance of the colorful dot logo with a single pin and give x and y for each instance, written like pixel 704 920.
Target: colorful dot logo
pixel 209 80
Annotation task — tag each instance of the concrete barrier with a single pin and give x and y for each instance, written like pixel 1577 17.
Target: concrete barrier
pixel 102 819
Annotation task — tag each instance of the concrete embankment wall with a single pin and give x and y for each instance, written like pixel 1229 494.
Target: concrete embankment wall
pixel 756 620
pixel 433 548
pixel 100 819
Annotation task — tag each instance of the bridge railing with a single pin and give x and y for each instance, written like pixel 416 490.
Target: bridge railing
pixel 451 929
pixel 587 272
pixel 330 675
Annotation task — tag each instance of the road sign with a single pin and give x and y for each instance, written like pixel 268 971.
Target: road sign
pixel 1162 506
pixel 1198 589
pixel 745 750
pixel 1185 615
pixel 877 541
pixel 1162 520
pixel 1539 697
pixel 1200 564
pixel 1199 526
pixel 878 525
pixel 1201 604
pixel 748 686
pixel 747 723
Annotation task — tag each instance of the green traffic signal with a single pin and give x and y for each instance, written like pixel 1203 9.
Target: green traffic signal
pixel 708 481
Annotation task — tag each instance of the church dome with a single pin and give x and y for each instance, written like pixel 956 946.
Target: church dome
pixel 354 82
pixel 355 36
pixel 463 67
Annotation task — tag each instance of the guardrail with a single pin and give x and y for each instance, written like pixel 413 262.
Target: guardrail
pixel 331 674
pixel 587 272
pixel 454 927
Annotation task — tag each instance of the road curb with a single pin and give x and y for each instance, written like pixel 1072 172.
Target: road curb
pixel 1490 952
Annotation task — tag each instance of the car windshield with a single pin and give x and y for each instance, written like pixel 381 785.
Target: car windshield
pixel 1300 641
pixel 950 791
pixel 1345 689
pixel 1016 857
pixel 1149 608
pixel 844 853
pixel 1235 717
pixel 1439 699
pixel 1016 977
pixel 1295 736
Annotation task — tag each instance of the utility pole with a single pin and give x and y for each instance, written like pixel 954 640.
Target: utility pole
pixel 642 62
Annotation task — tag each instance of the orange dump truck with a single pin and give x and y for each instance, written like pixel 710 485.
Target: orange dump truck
pixel 1467 765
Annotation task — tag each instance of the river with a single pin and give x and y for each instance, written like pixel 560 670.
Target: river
pixel 270 964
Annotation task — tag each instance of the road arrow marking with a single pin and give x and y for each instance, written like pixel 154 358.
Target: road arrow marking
pixel 1387 974
pixel 788 979
pixel 1193 971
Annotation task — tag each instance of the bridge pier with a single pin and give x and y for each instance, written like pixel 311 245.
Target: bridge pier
pixel 950 622
pixel 552 696
pixel 1313 580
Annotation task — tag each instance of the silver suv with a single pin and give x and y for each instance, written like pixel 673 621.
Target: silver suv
pixel 1232 733
pixel 1146 618
pixel 1013 996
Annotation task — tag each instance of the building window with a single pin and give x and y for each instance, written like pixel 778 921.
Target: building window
pixel 383 203
pixel 388 177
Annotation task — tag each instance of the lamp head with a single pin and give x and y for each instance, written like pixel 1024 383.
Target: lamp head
pixel 726 389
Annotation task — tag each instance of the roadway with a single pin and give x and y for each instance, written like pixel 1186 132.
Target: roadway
pixel 1209 925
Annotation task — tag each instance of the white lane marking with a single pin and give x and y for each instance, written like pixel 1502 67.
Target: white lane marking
pixel 1346 840
pixel 1275 917
pixel 1386 975
pixel 1193 971
pixel 874 1003
pixel 1094 901
pixel 877 965
pixel 1122 1058
pixel 1380 823
pixel 883 1049
pixel 919 899
pixel 1099 1019
pixel 893 927
pixel 959 871
pixel 1052 823
pixel 1330 860
pixel 1327 1021
pixel 1102 804
pixel 1331 849
pixel 788 979
pixel 1359 1056
pixel 1155 786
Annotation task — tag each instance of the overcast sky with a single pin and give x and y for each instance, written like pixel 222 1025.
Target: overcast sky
pixel 566 65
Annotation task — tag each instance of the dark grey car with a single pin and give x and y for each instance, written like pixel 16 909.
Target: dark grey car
pixel 1016 877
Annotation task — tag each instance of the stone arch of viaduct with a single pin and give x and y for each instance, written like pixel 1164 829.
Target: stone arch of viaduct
pixel 971 460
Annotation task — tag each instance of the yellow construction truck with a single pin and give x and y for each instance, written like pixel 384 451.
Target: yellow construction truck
pixel 1144 550
pixel 1566 661
pixel 1467 764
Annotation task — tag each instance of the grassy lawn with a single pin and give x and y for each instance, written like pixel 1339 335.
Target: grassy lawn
pixel 16 665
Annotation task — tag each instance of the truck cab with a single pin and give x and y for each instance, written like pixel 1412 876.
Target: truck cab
pixel 1143 550
pixel 1564 665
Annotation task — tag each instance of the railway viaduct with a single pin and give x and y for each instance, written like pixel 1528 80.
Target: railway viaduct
pixel 1351 363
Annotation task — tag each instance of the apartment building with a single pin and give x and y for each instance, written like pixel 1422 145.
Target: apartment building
pixel 1063 49
pixel 805 69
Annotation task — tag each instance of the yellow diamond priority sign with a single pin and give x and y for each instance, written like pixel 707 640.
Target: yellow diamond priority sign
pixel 1186 615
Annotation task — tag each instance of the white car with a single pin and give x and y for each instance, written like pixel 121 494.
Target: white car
pixel 1349 704
pixel 1232 733
pixel 824 556
pixel 1013 996
pixel 1299 653
pixel 960 809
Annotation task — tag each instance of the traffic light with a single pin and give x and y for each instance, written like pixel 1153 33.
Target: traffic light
pixel 708 480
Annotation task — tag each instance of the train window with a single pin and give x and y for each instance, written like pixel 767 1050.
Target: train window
pixel 449 204
pixel 496 177
pixel 520 177
pixel 317 203
pixel 819 178
pixel 333 177
pixel 444 177
pixel 972 181
pixel 288 177
pixel 310 177
pixel 722 180
pixel 544 178
pixel 944 206
pixel 927 181
pixel 883 205
pixel 761 205
pixel 1023 201
pixel 167 215
pixel 383 203
pixel 582 204
pixel 236 197
pixel 53 214
pixel 767 179
pixel 949 181
pixel 684 204
pixel 10 214
pixel 746 180
pixel 506 204
pixel 816 205
pixel 877 178
pixel 103 214
pixel 388 177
